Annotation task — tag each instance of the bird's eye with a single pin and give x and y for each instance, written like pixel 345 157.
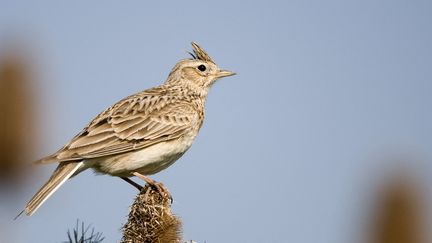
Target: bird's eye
pixel 202 68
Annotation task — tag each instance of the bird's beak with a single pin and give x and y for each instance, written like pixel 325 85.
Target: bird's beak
pixel 224 73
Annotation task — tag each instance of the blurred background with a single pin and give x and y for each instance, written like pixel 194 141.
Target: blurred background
pixel 323 136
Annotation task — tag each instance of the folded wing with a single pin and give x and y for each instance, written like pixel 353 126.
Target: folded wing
pixel 134 123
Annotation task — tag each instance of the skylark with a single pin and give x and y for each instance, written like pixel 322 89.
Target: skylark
pixel 141 134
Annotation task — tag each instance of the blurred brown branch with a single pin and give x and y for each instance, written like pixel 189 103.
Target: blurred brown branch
pixel 17 116
pixel 398 215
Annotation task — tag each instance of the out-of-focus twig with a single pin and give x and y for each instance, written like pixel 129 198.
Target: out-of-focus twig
pixel 398 213
pixel 17 116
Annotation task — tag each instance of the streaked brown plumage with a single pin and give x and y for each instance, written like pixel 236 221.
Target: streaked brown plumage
pixel 143 133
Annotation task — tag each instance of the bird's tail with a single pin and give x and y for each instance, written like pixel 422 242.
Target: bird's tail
pixel 63 172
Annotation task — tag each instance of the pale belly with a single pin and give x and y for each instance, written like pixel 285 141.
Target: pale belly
pixel 147 161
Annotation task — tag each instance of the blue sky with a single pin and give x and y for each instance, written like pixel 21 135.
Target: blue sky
pixel 292 146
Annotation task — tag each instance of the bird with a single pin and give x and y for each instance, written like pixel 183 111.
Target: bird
pixel 141 134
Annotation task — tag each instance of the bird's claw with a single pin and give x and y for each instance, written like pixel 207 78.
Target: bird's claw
pixel 158 186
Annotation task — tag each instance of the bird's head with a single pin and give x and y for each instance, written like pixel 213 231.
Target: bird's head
pixel 199 72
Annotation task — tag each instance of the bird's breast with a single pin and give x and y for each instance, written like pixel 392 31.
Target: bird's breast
pixel 146 161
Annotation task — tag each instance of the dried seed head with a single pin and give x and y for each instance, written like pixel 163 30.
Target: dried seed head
pixel 151 220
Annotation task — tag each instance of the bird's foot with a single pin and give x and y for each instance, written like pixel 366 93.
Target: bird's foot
pixel 158 186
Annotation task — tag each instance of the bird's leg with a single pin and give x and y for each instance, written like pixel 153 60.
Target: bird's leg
pixel 163 191
pixel 133 183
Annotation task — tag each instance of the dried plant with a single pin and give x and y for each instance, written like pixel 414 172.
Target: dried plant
pixel 151 220
pixel 83 234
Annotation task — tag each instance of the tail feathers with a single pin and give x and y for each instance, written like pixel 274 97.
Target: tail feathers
pixel 63 172
pixel 47 160
pixel 55 158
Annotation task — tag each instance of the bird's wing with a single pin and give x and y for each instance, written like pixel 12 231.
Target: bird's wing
pixel 134 123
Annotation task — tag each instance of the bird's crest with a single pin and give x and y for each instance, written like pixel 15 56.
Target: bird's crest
pixel 200 54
